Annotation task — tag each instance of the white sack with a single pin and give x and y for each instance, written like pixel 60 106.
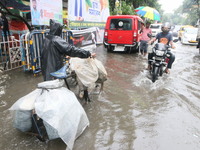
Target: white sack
pixel 88 71
pixel 102 74
pixel 26 102
pixel 58 107
pixel 22 120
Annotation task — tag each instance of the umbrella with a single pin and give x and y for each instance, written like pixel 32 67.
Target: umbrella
pixel 148 12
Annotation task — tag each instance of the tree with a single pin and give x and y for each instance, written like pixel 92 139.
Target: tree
pixel 190 11
pixel 123 9
pixel 127 5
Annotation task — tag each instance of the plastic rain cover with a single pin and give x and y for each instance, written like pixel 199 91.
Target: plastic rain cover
pixel 88 70
pixel 58 107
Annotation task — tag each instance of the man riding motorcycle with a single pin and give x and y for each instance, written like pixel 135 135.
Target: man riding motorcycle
pixel 166 38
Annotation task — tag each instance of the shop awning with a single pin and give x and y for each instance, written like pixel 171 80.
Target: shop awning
pixel 14 4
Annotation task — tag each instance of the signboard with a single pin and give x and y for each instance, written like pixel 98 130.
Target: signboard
pixel 44 10
pixel 88 13
pixel 87 38
pixel 82 24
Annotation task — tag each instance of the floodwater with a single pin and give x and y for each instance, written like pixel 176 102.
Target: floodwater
pixel 132 113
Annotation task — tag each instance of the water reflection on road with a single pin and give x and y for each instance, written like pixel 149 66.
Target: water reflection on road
pixel 131 113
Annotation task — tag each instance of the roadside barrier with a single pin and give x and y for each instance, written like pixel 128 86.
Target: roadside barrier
pixel 35 43
pixel 24 50
pixel 10 54
pixel 33 47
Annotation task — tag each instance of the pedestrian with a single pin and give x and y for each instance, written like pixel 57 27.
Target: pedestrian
pixel 54 50
pixel 145 37
pixel 166 38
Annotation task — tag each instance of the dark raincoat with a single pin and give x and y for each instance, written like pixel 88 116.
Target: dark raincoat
pixel 54 50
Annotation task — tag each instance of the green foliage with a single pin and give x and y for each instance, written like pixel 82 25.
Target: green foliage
pixel 188 13
pixel 127 9
pixel 191 10
pixel 137 3
pixel 128 6
pixel 124 9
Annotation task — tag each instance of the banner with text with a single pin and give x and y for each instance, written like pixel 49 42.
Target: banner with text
pixel 44 10
pixel 86 12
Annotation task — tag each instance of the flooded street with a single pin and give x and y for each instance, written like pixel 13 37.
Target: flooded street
pixel 132 113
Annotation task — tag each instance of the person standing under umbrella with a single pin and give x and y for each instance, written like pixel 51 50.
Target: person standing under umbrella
pixel 146 31
pixel 148 13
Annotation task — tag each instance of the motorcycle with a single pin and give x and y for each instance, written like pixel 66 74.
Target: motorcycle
pixel 159 60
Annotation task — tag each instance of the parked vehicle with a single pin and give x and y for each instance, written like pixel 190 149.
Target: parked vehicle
pixel 190 36
pixel 122 33
pixel 174 31
pixel 159 60
pixel 176 28
pixel 182 29
pixel 156 28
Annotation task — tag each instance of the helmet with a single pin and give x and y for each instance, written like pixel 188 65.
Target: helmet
pixel 166 27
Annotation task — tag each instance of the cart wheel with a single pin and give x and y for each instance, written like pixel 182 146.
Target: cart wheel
pixel 38 127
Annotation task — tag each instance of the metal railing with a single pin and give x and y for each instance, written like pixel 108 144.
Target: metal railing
pixel 25 50
pixel 34 46
pixel 10 54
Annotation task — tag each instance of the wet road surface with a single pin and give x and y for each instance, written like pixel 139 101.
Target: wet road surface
pixel 132 113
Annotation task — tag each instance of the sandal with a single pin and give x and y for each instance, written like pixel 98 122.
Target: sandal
pixel 167 71
pixel 149 67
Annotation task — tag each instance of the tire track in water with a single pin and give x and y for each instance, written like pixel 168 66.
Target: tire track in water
pixel 187 79
pixel 170 107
